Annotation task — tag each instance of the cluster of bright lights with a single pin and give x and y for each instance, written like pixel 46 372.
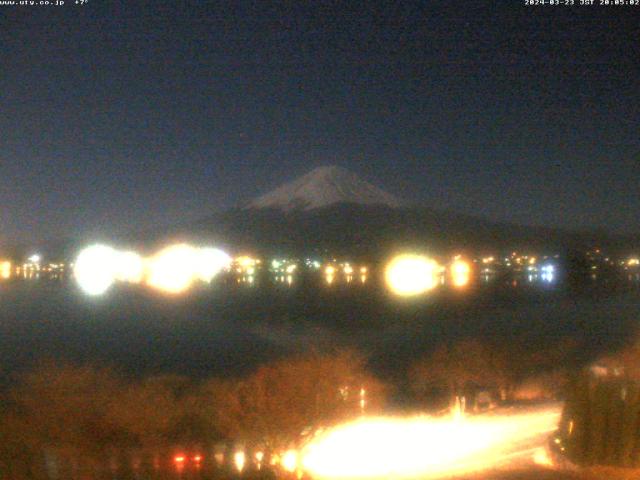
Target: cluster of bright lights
pixel 173 270
pixel 181 459
pixel 408 275
pixel 246 264
pixel 246 267
pixel 423 447
pixel 548 273
pixel 31 269
pixel 283 266
pixel 312 264
pixel 177 267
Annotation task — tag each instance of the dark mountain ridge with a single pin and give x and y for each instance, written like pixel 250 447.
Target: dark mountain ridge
pixel 330 210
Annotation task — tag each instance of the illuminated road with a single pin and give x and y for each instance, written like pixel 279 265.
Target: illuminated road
pixel 503 440
pixel 529 449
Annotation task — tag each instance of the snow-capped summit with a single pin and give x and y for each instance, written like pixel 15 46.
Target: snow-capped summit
pixel 324 186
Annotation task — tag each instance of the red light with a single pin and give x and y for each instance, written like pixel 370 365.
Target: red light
pixel 179 459
pixel 197 458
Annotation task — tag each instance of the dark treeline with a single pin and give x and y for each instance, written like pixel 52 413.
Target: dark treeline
pixel 81 418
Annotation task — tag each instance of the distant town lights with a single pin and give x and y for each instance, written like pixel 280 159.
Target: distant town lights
pixel 246 261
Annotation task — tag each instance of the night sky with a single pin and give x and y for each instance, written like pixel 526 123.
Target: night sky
pixel 121 115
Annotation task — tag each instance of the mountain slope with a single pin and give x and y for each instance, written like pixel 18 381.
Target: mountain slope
pixel 322 187
pixel 332 210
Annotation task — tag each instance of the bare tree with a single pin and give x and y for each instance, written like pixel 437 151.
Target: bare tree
pixel 279 401
pixel 452 368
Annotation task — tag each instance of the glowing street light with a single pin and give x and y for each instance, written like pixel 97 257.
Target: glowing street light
pixel 329 272
pixel 210 262
pixel 290 461
pixel 129 267
pixel 246 261
pixel 173 269
pixel 460 273
pixel 5 270
pixel 408 275
pixel 96 269
pixel 239 460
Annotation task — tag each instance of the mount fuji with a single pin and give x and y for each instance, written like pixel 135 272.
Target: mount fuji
pixel 331 209
pixel 322 187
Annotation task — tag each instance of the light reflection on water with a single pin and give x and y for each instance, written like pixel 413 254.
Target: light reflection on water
pixel 545 277
pixel 128 465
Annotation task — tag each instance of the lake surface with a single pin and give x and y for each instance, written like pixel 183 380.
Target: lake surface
pixel 223 329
